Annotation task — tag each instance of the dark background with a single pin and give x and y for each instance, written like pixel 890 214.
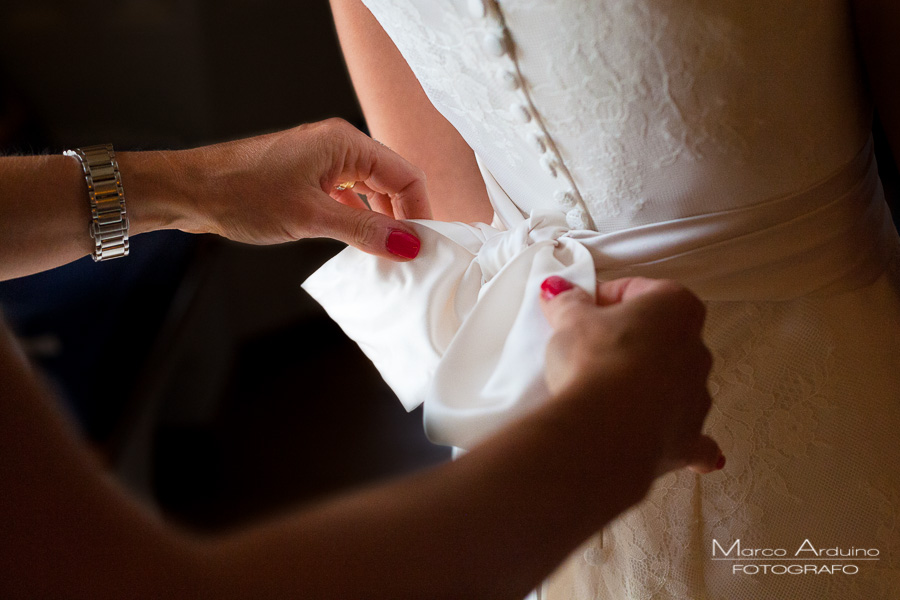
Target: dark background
pixel 198 369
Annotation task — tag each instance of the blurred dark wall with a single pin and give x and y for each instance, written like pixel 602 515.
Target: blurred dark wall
pixel 168 73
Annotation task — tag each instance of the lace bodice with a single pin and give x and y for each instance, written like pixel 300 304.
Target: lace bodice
pixel 648 102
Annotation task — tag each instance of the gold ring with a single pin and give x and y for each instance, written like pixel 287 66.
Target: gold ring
pixel 347 185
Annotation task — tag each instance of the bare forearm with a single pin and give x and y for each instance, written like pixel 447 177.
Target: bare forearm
pixel 399 114
pixel 45 213
pixel 68 530
pixel 490 525
pixel 269 189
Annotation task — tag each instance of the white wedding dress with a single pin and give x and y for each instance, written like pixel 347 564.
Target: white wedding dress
pixel 723 143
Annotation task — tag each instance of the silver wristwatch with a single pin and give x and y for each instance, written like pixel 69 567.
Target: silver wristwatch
pixel 109 222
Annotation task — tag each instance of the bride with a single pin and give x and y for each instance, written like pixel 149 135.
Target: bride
pixel 720 143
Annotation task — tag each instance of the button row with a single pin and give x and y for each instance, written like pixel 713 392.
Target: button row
pixel 497 42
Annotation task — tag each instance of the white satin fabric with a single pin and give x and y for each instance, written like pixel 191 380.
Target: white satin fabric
pixel 460 327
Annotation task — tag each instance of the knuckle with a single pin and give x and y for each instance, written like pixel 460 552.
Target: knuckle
pixel 335 124
pixel 364 229
pixel 336 132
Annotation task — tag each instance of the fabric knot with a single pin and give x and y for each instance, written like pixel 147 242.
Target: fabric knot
pixel 501 247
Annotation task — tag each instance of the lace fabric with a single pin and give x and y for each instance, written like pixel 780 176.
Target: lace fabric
pixel 799 429
pixel 659 108
pixel 669 115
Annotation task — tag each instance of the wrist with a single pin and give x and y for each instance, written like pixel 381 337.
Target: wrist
pixel 157 190
pixel 205 176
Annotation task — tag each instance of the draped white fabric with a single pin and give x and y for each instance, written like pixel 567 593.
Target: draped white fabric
pixel 460 327
pixel 467 305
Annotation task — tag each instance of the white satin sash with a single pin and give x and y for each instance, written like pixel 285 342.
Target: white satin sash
pixel 460 327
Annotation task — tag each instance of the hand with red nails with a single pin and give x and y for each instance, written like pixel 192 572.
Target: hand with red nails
pixel 629 399
pixel 635 360
pixel 273 188
pixel 293 184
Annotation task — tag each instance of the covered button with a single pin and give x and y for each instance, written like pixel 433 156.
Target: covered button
pixel 521 112
pixel 566 199
pixel 550 165
pixel 576 218
pixel 495 43
pixel 478 8
pixel 510 80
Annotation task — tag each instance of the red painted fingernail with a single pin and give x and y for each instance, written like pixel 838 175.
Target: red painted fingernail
pixel 403 244
pixel 554 286
pixel 721 464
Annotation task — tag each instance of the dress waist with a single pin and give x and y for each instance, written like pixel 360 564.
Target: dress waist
pixel 461 329
pixel 831 238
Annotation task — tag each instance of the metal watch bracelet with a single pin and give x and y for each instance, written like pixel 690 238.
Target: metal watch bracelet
pixel 109 221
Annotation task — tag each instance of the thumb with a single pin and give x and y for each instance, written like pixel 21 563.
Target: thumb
pixel 367 230
pixel 562 301
pixel 705 456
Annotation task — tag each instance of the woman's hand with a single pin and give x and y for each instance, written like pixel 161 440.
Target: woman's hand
pixel 637 358
pixel 268 189
pixel 284 186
